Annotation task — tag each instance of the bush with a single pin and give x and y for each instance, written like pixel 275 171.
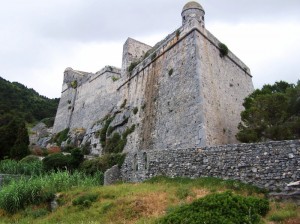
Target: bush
pixel 132 66
pixel 77 157
pixel 30 159
pixel 219 208
pixel 74 84
pixel 49 122
pixel 56 161
pixel 102 163
pixel 223 49
pixel 135 110
pixel 61 136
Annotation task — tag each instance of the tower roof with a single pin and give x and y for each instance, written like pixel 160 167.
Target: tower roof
pixel 192 5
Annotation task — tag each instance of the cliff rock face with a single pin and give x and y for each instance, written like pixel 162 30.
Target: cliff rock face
pixel 181 93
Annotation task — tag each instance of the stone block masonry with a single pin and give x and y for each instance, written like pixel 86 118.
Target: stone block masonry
pixel 184 93
pixel 270 165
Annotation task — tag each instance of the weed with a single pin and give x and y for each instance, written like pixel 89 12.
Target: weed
pixel 223 49
pixel 114 78
pixel 135 110
pixel 74 84
pixel 153 56
pixel 123 104
pixel 132 66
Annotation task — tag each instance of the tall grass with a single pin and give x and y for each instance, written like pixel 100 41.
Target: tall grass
pixel 22 168
pixel 35 190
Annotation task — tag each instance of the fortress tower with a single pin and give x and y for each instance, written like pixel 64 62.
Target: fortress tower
pixel 193 10
pixel 181 93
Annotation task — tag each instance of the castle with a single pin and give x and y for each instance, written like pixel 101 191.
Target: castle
pixel 185 92
pixel 174 109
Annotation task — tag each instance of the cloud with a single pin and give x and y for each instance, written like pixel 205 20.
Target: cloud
pixel 39 39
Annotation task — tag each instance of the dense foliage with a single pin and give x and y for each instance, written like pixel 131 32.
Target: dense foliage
pixel 102 163
pixel 219 208
pixel 14 138
pixel 59 161
pixel 18 100
pixel 272 113
pixel 18 106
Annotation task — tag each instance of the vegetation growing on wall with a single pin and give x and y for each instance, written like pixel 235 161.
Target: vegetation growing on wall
pixel 61 136
pixel 123 104
pixel 223 49
pixel 74 84
pixel 114 78
pixel 135 110
pixel 272 113
pixel 132 66
pixel 102 163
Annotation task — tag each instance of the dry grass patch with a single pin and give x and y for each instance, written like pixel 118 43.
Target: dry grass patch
pixel 152 204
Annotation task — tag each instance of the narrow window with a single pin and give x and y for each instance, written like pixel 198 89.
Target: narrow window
pixel 145 160
pixel 135 166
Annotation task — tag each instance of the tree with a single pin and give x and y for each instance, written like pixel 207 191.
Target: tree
pixel 20 147
pixel 272 113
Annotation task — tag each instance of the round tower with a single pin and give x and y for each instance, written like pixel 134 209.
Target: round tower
pixel 193 10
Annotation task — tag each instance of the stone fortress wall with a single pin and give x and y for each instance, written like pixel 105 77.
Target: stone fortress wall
pixel 184 100
pixel 269 165
pixel 185 93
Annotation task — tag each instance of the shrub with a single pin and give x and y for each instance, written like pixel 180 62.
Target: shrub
pixel 30 159
pixel 219 208
pixel 77 157
pixel 135 110
pixel 61 136
pixel 123 104
pixel 74 84
pixel 102 132
pixel 153 56
pixel 144 106
pixel 132 66
pixel 177 33
pixel 49 122
pixel 170 71
pixel 102 163
pixel 114 78
pixel 56 161
pixel 223 49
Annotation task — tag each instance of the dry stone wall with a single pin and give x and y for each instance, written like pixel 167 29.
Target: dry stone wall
pixel 269 165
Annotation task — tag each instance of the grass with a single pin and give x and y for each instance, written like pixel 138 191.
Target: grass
pixel 21 168
pixel 133 202
pixel 36 190
pixel 282 212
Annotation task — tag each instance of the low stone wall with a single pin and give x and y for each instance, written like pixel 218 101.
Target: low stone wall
pixel 268 165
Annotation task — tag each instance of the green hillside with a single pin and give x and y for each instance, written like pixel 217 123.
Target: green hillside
pixel 18 106
pixel 160 200
pixel 16 99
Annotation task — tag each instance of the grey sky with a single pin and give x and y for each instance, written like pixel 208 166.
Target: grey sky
pixel 40 38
